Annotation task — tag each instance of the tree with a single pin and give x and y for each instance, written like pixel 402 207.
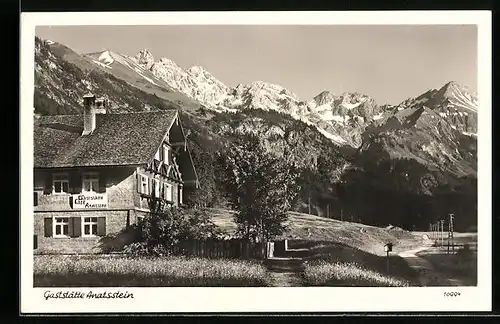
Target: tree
pixel 260 187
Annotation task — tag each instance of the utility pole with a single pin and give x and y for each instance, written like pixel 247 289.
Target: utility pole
pixel 442 232
pixel 328 210
pixel 309 204
pixel 437 232
pixel 452 216
pixel 341 215
pixel 449 236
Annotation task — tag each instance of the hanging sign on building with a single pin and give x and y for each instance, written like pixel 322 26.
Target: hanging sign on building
pixel 90 200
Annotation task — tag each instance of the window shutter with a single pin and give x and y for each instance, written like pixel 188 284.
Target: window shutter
pixel 48 184
pixel 102 182
pixel 35 198
pixel 150 186
pixel 47 224
pixel 101 226
pixel 75 225
pixel 138 182
pixel 75 182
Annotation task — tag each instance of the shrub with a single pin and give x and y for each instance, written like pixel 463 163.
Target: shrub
pixel 164 227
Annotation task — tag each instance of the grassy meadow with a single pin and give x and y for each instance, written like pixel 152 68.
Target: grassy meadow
pixel 100 271
pixel 338 264
pixel 340 254
pixel 324 273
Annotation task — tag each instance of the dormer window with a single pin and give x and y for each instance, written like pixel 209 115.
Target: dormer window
pixel 60 183
pixel 144 185
pixel 90 181
pixel 167 191
pixel 166 154
pixel 156 188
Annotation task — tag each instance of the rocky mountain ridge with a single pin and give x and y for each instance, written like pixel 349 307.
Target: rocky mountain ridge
pixel 342 118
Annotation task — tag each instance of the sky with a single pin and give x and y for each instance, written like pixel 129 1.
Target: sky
pixel 388 62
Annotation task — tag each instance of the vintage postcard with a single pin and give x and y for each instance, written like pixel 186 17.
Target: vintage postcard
pixel 255 162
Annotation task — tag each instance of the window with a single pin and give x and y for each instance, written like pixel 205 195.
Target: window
pixel 144 185
pixel 35 198
pixel 156 188
pixel 168 192
pixel 90 182
pixel 166 154
pixel 89 226
pixel 180 195
pixel 66 226
pixel 60 183
pixel 61 227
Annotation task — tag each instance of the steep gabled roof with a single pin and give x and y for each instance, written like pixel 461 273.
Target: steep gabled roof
pixel 119 139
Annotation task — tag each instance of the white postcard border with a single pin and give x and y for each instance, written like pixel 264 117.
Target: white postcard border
pixel 299 299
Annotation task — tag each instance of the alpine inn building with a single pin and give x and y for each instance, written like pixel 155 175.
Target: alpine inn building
pixel 94 173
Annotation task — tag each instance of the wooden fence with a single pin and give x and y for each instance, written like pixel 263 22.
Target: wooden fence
pixel 221 249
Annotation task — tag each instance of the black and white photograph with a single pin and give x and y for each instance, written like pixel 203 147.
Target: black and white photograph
pixel 255 155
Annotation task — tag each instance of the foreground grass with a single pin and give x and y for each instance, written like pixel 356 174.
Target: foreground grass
pixel 97 271
pixel 324 273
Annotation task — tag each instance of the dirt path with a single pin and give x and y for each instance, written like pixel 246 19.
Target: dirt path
pixel 284 279
pixel 428 276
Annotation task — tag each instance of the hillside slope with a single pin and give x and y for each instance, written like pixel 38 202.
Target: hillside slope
pixel 367 238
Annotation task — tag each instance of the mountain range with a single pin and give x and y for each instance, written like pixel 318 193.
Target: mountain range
pixel 436 129
pixel 346 119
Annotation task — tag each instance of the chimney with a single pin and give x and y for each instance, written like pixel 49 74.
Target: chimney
pixel 88 113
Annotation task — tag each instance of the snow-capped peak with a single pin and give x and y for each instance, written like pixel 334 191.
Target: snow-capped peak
pixel 201 75
pixel 258 86
pixel 144 58
pixel 106 58
pixel 197 69
pixel 324 97
pixel 165 63
pixel 352 100
pixel 458 96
